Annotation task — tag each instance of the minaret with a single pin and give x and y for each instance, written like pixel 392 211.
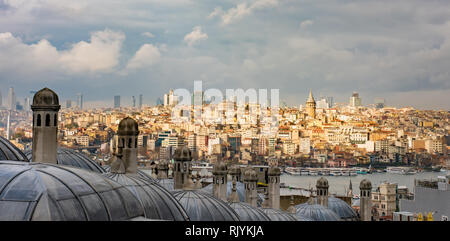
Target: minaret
pixel 163 169
pixel 126 147
pixel 311 105
pixel 322 191
pixel 45 126
pixel 220 180
pixel 182 159
pixel 350 189
pixel 365 200
pixel 235 173
pixel 250 179
pixel 274 187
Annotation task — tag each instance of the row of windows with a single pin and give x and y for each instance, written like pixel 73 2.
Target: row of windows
pixel 47 120
pixel 129 143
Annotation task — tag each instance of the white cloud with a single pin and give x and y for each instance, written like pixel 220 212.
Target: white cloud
pixel 306 23
pixel 148 34
pixel 241 10
pixel 146 56
pixel 195 36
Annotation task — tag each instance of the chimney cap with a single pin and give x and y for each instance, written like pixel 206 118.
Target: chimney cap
pixel 128 127
pixel 46 98
pixel 322 183
pixel 182 154
pixel 365 184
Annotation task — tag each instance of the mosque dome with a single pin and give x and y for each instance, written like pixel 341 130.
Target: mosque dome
pixel 240 189
pixel 9 151
pixel 316 212
pixel 48 192
pixel 365 184
pixel 128 127
pixel 248 213
pixel 182 154
pixel 278 215
pixel 45 97
pixel 69 157
pixel 157 202
pixel 201 206
pixel 341 208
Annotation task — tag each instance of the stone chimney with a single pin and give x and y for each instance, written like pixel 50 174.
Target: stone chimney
pixel 126 147
pixel 235 173
pixel 45 109
pixel 365 200
pixel 220 180
pixel 163 169
pixel 233 198
pixel 322 191
pixel 250 181
pixel 291 208
pixel 274 187
pixel 182 159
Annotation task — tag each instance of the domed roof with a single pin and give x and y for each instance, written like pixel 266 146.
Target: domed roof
pixel 166 183
pixel 278 215
pixel 141 173
pixel 41 191
pixel 341 208
pixel 220 168
pixel 273 171
pixel 316 212
pixel 9 151
pixel 128 127
pixel 365 184
pixel 157 202
pixel 69 157
pixel 322 183
pixel 234 170
pixel 250 174
pixel 182 154
pixel 201 206
pixel 45 97
pixel 248 213
pixel 240 189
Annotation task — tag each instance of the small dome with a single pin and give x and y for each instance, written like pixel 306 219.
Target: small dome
pixel 201 206
pixel 220 168
pixel 128 127
pixel 45 97
pixel 141 173
pixel 234 170
pixel 156 201
pixel 9 151
pixel 273 171
pixel 278 215
pixel 248 213
pixel 69 157
pixel 250 175
pixel 341 208
pixel 322 183
pixel 240 189
pixel 365 184
pixel 316 212
pixel 48 192
pixel 182 154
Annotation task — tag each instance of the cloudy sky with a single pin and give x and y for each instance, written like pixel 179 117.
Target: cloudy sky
pixel 398 50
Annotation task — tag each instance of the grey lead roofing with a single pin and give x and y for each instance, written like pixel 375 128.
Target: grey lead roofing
pixel 157 202
pixel 48 192
pixel 201 206
pixel 9 151
pixel 240 189
pixel 341 208
pixel 141 173
pixel 316 212
pixel 278 215
pixel 248 213
pixel 74 158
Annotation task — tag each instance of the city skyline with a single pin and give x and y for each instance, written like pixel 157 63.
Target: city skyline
pixel 333 48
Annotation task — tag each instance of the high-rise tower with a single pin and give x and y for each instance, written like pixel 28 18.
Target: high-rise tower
pixel 311 105
pixel 45 126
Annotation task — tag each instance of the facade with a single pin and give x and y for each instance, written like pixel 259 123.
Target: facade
pixel 384 199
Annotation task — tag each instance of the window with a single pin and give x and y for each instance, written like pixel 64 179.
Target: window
pixel 55 120
pixel 38 120
pixel 47 120
pixel 129 142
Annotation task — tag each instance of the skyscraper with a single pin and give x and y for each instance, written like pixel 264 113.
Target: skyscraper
pixel 140 101
pixel 117 101
pixel 355 101
pixel 68 103
pixel 11 99
pixel 80 101
pixel 1 98
pixel 133 100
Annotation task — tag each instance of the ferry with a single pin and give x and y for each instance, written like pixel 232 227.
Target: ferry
pixel 313 173
pixel 335 173
pixel 304 172
pixel 401 170
pixel 292 171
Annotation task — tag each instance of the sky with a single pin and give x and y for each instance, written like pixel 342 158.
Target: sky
pixel 397 50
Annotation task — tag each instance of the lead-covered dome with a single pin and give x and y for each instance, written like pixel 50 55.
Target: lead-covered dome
pixel 9 151
pixel 48 192
pixel 201 206
pixel 141 173
pixel 316 212
pixel 341 208
pixel 45 97
pixel 240 189
pixel 157 202
pixel 128 127
pixel 278 215
pixel 248 213
pixel 69 157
